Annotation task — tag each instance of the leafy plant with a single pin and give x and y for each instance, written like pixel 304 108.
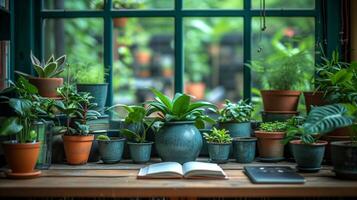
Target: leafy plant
pixel 89 74
pixel 236 112
pixel 180 108
pixel 103 138
pixel 50 69
pixel 220 136
pixel 273 126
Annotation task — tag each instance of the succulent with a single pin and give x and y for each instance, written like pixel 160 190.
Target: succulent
pixel 236 112
pixel 220 136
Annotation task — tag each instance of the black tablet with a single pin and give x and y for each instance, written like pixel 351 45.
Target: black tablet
pixel 273 174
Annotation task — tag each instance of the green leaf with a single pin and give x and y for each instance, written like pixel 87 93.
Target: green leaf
pixel 60 61
pixel 200 104
pixel 342 76
pixel 162 98
pixel 39 70
pixel 181 104
pixel 24 74
pixel 10 126
pixel 49 69
pixel 51 59
pixel 21 106
pixel 34 60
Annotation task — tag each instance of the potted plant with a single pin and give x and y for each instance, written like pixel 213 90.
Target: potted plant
pixel 270 137
pixel 219 143
pixel 244 149
pixel 179 139
pixel 110 149
pixel 139 146
pixel 46 83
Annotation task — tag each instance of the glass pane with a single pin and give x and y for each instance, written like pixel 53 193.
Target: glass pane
pixel 284 4
pixel 213 4
pixel 214 58
pixel 143 58
pixel 287 43
pixel 143 4
pixel 82 41
pixel 73 4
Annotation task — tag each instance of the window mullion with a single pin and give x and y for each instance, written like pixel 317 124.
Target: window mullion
pixel 108 49
pixel 179 53
pixel 247 49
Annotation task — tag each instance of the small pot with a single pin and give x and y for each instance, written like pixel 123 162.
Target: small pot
pixel 272 116
pixel 270 146
pixel 21 158
pixel 243 129
pixel 47 87
pixel 244 149
pixel 98 91
pixel 111 151
pixel 140 152
pixel 77 148
pixel 280 100
pixel 314 99
pixel 344 159
pixel 308 156
pixel 219 153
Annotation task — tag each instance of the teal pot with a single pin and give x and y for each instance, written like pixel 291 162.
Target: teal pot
pixel 98 91
pixel 204 149
pixel 244 149
pixel 219 153
pixel 281 116
pixel 111 151
pixel 178 141
pixel 344 159
pixel 140 152
pixel 243 129
pixel 308 156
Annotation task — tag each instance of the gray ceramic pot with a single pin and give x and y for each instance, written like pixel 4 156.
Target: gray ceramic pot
pixel 140 152
pixel 219 153
pixel 244 149
pixel 111 151
pixel 98 91
pixel 243 129
pixel 344 159
pixel 178 141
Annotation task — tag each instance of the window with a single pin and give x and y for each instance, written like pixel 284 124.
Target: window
pixel 175 45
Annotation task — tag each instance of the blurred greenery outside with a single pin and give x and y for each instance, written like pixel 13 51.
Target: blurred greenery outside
pixel 213 48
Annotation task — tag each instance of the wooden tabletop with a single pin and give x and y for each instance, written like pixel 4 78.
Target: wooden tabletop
pixel 119 180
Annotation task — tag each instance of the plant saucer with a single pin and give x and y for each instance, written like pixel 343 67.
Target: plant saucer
pixel 277 159
pixel 308 169
pixel 35 173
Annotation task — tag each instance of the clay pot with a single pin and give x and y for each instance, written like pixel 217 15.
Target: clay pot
pixel 270 146
pixel 21 158
pixel 77 148
pixel 314 99
pixel 280 100
pixel 47 87
pixel 120 22
pixel 196 89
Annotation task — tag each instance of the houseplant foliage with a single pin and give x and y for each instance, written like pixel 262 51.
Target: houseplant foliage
pixel 110 149
pixel 219 142
pixel 179 139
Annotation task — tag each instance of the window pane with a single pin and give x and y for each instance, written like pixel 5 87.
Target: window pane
pixel 214 58
pixel 82 41
pixel 284 4
pixel 286 43
pixel 143 58
pixel 143 4
pixel 213 4
pixel 73 4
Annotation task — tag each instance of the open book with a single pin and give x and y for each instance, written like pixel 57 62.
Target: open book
pixel 194 170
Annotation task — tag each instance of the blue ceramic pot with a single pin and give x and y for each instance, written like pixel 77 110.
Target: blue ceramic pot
pixel 308 157
pixel 204 149
pixel 344 159
pixel 98 91
pixel 244 149
pixel 219 153
pixel 140 152
pixel 111 151
pixel 243 129
pixel 178 141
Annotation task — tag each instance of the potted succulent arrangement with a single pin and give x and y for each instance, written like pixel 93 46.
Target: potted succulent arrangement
pixel 219 143
pixel 270 141
pixel 110 148
pixel 308 149
pixel 179 139
pixel 46 83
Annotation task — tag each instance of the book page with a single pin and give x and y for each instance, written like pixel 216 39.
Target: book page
pixel 165 168
pixel 201 169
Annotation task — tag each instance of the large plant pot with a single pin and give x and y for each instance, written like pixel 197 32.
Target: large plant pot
pixel 272 116
pixel 178 141
pixel 140 152
pixel 244 149
pixel 308 156
pixel 204 149
pixel 47 87
pixel 280 100
pixel 243 129
pixel 111 151
pixel 196 89
pixel 98 91
pixel 219 153
pixel 344 159
pixel 314 99
pixel 270 146
pixel 77 148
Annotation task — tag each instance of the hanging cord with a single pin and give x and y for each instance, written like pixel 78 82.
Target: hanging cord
pixel 262 24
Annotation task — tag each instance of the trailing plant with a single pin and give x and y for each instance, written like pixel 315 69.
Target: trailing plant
pixel 180 108
pixel 273 126
pixel 236 112
pixel 103 138
pixel 219 136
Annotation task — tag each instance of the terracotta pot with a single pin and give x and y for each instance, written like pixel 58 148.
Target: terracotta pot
pixel 143 58
pixel 168 73
pixel 280 100
pixel 47 87
pixel 77 148
pixel 21 158
pixel 196 89
pixel 314 99
pixel 270 145
pixel 120 22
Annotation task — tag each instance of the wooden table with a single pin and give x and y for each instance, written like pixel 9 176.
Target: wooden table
pixel 119 180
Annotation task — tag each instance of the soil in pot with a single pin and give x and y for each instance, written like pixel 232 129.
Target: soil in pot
pixel 140 152
pixel 280 100
pixel 47 87
pixel 308 156
pixel 344 159
pixel 270 146
pixel 77 148
pixel 244 149
pixel 111 151
pixel 218 153
pixel 314 99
